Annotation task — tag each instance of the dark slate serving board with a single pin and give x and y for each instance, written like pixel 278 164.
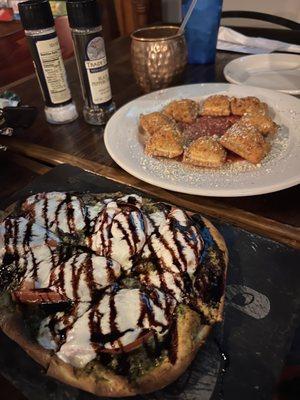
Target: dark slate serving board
pixel 261 313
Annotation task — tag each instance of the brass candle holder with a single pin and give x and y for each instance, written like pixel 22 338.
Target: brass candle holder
pixel 159 56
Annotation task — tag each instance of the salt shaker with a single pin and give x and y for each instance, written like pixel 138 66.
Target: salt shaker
pixel 38 23
pixel 85 23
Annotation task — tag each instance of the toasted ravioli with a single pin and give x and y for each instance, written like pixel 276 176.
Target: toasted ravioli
pixel 246 141
pixel 164 143
pixel 217 105
pixel 262 122
pixel 184 110
pixel 151 123
pixel 205 152
pixel 259 108
pixel 245 104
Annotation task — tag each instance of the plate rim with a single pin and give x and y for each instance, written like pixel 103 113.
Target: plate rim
pixel 230 79
pixel 207 192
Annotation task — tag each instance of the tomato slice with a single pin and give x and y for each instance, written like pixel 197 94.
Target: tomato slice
pixel 39 296
pixel 129 347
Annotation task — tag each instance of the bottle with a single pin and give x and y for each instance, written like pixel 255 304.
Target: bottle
pixel 85 23
pixel 38 23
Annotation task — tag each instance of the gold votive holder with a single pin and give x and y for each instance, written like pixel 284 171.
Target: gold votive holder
pixel 159 56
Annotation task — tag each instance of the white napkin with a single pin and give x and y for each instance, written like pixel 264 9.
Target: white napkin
pixel 230 40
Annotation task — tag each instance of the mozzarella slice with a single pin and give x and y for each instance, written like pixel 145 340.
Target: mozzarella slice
pixel 168 282
pixel 39 263
pixel 56 210
pixel 154 220
pixel 176 244
pixel 117 321
pixel 24 243
pixel 53 329
pixel 82 274
pixel 92 213
pixel 174 249
pixel 119 233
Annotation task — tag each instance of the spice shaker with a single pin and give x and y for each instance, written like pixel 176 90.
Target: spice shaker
pixel 38 23
pixel 85 23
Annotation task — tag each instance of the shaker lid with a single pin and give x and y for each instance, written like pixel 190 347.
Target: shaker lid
pixel 36 14
pixel 84 13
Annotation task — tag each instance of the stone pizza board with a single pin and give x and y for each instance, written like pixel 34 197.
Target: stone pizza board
pixel 241 359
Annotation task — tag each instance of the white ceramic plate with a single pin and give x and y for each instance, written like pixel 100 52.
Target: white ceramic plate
pixel 271 71
pixel 279 170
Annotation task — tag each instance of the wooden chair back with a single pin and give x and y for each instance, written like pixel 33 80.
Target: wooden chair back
pixel 134 14
pixel 274 19
pixel 15 58
pixel 109 20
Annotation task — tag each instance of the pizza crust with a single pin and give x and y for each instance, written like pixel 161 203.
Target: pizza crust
pixel 104 382
pixel 112 385
pixel 188 345
pixel 107 384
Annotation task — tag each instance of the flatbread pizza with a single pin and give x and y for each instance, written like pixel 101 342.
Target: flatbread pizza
pixel 113 294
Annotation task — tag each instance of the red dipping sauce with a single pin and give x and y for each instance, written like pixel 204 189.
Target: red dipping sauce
pixel 207 126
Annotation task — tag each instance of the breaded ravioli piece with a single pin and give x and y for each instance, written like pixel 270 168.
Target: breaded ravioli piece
pixel 164 143
pixel 205 152
pixel 260 108
pixel 239 106
pixel 151 123
pixel 246 141
pixel 262 122
pixel 216 106
pixel 184 110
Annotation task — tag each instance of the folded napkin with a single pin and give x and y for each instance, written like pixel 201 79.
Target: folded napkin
pixel 230 40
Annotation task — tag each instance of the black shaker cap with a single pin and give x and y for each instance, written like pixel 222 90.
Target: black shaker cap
pixel 36 14
pixel 84 13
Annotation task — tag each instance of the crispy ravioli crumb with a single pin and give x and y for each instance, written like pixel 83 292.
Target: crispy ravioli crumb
pixel 227 175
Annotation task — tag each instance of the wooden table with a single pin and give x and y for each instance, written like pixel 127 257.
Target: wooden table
pixel 43 146
pixel 9 27
pixel 276 215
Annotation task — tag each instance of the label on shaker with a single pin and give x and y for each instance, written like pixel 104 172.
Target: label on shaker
pixel 54 70
pixel 97 71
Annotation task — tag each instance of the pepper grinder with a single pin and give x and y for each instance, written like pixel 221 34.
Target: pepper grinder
pixel 85 23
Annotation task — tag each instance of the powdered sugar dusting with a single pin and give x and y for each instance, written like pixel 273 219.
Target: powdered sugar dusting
pixel 279 169
pixel 177 171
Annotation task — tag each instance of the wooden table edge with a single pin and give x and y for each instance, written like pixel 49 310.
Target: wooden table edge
pixel 17 82
pixel 277 231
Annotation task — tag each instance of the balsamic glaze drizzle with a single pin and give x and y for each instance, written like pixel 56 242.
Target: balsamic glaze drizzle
pixel 192 235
